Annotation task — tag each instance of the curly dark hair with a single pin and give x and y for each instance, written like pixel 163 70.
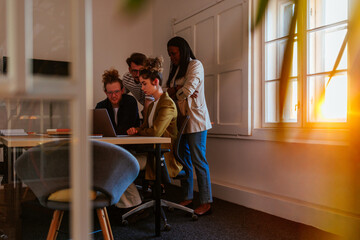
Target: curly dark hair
pixel 137 58
pixel 111 76
pixel 152 69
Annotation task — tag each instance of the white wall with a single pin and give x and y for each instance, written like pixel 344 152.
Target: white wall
pixel 116 36
pixel 308 183
pixel 164 12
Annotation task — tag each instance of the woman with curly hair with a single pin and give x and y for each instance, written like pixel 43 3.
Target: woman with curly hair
pixel 122 108
pixel 123 112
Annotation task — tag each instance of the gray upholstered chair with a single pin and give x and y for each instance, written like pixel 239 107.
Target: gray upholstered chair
pixel 45 169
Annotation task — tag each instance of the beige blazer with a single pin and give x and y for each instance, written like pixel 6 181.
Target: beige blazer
pixel 195 107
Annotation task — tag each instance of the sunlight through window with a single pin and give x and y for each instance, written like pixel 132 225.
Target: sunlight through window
pixel 334 106
pixel 322 38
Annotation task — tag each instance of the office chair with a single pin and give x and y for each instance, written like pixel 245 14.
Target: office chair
pixel 183 174
pixel 45 169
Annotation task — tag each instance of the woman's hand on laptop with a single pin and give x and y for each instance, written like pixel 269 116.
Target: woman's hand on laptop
pixel 132 131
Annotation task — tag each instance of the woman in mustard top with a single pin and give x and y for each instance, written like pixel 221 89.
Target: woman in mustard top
pixel 160 119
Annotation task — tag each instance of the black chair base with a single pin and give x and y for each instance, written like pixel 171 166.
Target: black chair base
pixel 165 178
pixel 164 203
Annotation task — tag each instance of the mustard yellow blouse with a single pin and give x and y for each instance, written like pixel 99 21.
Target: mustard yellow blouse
pixel 164 125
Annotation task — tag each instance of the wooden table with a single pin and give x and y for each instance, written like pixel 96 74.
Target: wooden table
pixel 33 140
pixel 13 148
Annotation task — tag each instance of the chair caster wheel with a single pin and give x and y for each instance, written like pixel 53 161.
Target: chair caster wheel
pixel 194 217
pixel 125 222
pixel 167 227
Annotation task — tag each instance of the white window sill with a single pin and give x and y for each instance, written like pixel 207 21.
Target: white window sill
pixel 338 137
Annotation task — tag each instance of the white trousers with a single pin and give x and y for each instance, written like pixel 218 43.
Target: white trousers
pixel 131 196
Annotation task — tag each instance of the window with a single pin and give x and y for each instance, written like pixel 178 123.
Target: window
pixel 312 99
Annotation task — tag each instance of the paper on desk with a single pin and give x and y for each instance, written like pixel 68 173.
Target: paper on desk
pixel 13 132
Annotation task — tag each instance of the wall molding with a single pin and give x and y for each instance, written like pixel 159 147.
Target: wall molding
pixel 327 219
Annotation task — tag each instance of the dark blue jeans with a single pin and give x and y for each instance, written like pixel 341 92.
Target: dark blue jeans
pixel 192 150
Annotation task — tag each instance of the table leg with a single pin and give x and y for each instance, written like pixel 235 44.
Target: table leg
pixel 10 155
pixel 157 189
pixel 5 166
pixel 16 152
pixel 2 164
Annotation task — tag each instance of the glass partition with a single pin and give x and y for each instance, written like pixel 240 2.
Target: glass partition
pixel 38 92
pixel 34 115
pixel 25 123
pixel 2 37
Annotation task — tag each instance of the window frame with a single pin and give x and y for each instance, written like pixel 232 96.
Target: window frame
pixel 302 74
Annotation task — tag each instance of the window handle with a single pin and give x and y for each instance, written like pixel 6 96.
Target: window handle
pixel 297 106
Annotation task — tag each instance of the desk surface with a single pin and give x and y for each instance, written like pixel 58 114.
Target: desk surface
pixel 33 140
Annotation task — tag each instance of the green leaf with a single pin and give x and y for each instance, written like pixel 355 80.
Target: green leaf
pixel 132 6
pixel 261 11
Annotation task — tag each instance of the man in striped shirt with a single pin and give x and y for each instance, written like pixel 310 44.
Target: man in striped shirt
pixel 132 83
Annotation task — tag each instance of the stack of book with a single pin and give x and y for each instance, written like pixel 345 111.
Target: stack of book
pixel 59 132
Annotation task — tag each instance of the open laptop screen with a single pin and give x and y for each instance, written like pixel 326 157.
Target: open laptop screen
pixel 102 123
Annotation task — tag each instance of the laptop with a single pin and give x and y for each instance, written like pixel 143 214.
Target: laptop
pixel 102 123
